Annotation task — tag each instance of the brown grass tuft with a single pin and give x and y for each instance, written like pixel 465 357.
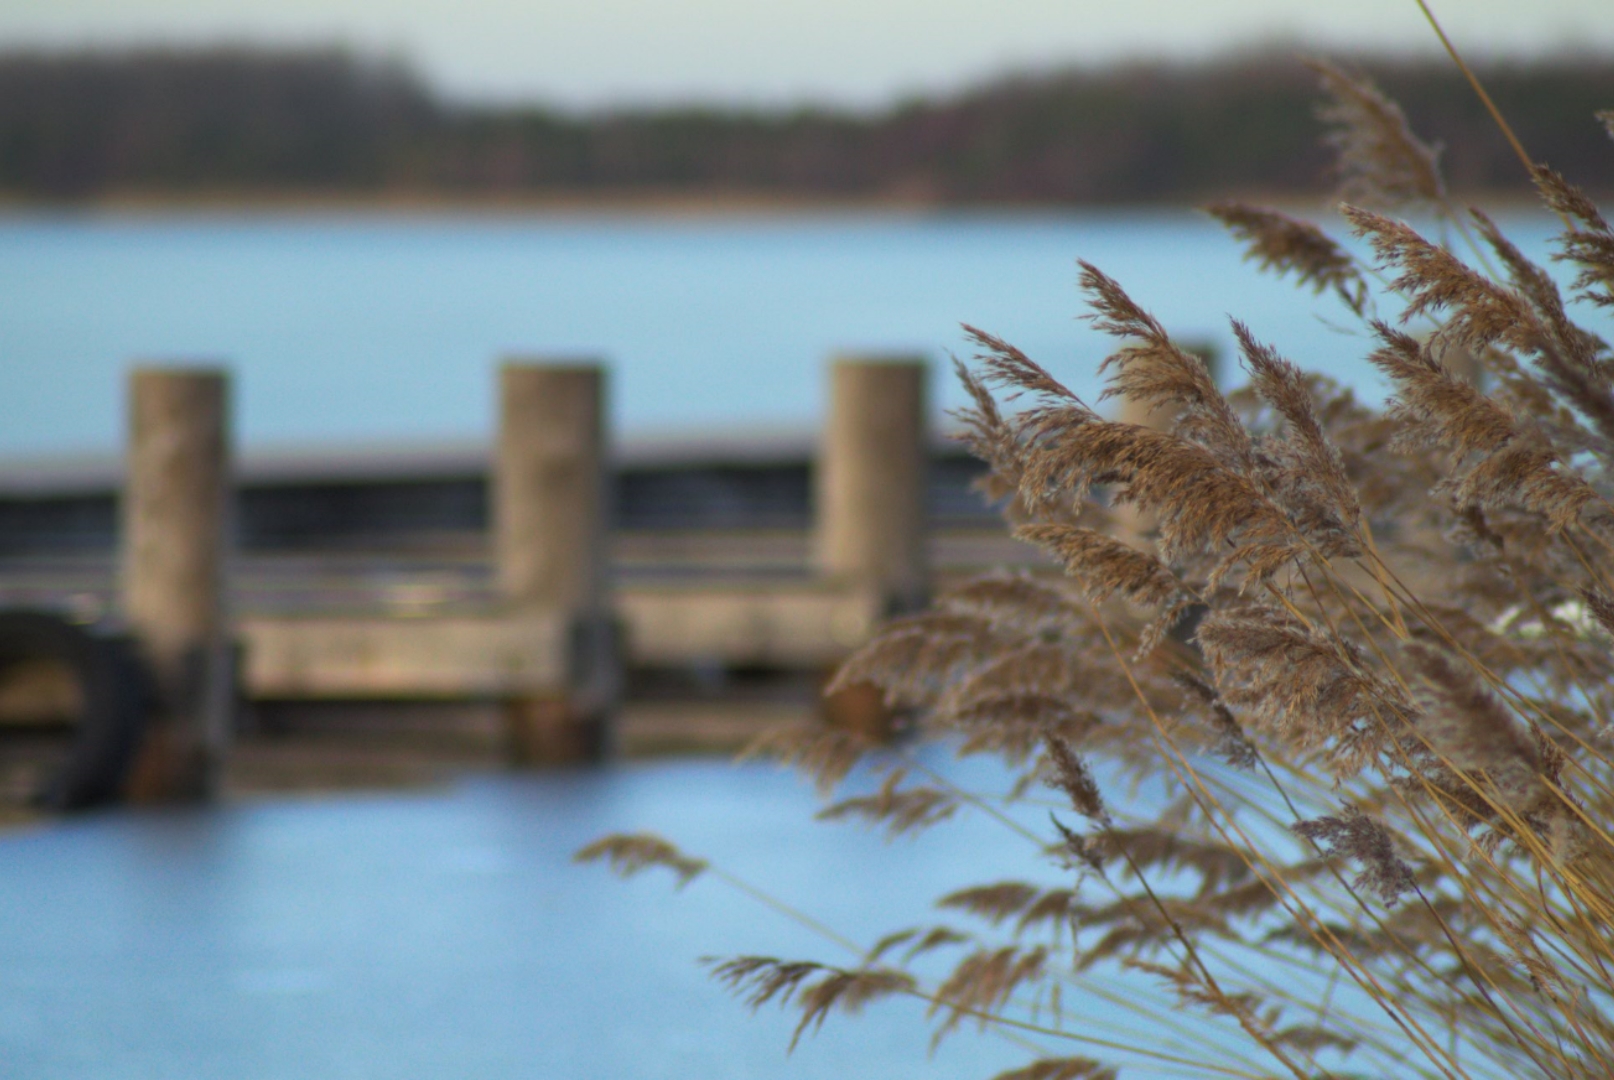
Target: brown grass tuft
pixel 631 854
pixel 815 988
pixel 1380 161
pixel 1359 837
pixel 1060 1069
pixel 1070 774
pixel 900 810
pixel 1288 245
pixel 1388 677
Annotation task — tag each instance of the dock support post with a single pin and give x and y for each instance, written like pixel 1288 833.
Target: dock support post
pixel 870 484
pixel 551 547
pixel 871 500
pixel 175 512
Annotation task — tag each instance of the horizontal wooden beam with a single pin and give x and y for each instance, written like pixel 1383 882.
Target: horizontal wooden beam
pixel 782 624
pixel 789 624
pixel 461 656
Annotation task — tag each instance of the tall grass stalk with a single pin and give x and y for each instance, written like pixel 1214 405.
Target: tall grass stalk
pixel 1363 658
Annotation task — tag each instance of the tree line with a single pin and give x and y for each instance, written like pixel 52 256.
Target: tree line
pixel 82 126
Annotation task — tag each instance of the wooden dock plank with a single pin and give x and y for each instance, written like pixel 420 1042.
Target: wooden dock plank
pixel 457 656
pixel 774 624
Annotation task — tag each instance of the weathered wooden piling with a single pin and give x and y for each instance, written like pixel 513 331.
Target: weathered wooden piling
pixel 175 521
pixel 870 502
pixel 870 483
pixel 550 544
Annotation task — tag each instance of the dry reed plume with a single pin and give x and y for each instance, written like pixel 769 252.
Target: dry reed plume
pixel 1360 663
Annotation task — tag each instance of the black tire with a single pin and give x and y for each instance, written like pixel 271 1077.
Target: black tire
pixel 116 695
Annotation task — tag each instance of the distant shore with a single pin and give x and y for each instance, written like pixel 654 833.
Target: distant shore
pixel 307 130
pixel 648 204
pixel 560 203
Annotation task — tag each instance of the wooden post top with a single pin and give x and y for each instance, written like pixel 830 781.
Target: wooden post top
pixel 550 498
pixel 871 485
pixel 175 506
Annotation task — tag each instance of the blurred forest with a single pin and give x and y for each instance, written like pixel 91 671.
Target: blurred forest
pixel 87 126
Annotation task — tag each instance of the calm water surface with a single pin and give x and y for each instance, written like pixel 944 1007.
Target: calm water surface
pixel 347 329
pixel 448 934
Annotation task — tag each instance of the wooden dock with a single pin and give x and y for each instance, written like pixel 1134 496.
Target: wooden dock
pixel 535 574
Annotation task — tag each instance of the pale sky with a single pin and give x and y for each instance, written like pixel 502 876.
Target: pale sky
pixel 864 52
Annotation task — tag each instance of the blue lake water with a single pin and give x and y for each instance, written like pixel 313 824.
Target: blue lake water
pixel 370 328
pixel 448 934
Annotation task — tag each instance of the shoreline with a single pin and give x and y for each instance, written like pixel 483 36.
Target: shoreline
pixel 664 205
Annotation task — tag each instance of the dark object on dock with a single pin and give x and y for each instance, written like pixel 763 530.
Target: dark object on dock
pixel 111 690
